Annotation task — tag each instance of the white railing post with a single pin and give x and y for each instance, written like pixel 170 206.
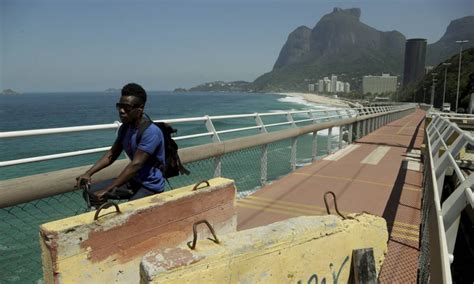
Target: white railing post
pixel 263 153
pixel 329 140
pixel 294 141
pixel 350 126
pixel 215 138
pixel 314 140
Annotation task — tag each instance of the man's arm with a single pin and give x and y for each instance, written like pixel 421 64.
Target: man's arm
pixel 130 170
pixel 106 160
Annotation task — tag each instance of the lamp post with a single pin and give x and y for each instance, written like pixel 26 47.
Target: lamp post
pixel 433 89
pixel 460 42
pixel 424 92
pixel 445 72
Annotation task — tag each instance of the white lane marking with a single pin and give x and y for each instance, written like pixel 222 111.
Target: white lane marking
pixel 413 159
pixel 341 153
pixel 376 155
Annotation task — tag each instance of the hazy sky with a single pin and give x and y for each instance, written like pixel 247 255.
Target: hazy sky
pixel 85 45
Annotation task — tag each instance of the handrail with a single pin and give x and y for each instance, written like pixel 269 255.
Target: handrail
pixel 23 189
pixel 310 113
pixel 448 212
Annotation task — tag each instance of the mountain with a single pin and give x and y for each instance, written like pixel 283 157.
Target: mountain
pixel 339 44
pixel 459 29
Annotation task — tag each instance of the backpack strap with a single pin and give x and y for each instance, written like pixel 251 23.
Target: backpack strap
pixel 144 123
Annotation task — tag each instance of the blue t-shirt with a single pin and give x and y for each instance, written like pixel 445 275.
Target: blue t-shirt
pixel 151 142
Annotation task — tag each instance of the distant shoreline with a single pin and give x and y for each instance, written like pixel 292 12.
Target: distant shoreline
pixel 314 98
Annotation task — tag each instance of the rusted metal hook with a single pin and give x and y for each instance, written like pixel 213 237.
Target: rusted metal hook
pixel 335 204
pixel 199 183
pixel 105 206
pixel 216 240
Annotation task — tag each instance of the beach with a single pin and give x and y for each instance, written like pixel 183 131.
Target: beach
pixel 319 99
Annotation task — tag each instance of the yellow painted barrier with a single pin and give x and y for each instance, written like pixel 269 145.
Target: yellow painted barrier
pixel 109 249
pixel 307 249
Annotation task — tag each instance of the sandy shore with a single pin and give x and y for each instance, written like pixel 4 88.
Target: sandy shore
pixel 314 98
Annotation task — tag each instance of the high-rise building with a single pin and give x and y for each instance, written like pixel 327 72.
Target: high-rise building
pixel 327 85
pixel 311 87
pixel 347 87
pixel 415 54
pixel 321 86
pixel 333 83
pixel 379 84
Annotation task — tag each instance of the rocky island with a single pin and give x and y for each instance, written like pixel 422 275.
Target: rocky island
pixel 112 90
pixel 8 92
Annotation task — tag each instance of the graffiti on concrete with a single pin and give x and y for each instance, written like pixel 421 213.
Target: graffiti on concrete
pixel 313 279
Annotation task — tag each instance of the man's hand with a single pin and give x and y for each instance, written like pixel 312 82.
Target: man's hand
pixel 98 196
pixel 85 178
pixel 102 192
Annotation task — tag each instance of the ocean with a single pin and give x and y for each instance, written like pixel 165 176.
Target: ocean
pixel 50 110
pixel 19 248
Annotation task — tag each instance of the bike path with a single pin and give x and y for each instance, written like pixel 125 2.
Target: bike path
pixel 380 173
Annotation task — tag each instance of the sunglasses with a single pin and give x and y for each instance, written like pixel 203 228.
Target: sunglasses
pixel 125 107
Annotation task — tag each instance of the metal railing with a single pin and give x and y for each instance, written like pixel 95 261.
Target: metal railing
pixel 312 116
pixel 252 161
pixel 441 211
pixel 20 190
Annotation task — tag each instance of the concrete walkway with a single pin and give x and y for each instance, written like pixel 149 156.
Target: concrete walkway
pixel 380 174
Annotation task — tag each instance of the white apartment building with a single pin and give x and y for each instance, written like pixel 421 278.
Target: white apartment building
pixel 311 87
pixel 347 87
pixel 327 85
pixel 339 87
pixel 333 83
pixel 321 86
pixel 379 84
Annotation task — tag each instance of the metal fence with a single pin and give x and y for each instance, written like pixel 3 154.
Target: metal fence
pixel 252 161
pixel 441 210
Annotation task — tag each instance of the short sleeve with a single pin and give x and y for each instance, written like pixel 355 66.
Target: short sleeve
pixel 151 139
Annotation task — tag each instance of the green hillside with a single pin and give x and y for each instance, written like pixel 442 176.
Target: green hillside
pixel 467 67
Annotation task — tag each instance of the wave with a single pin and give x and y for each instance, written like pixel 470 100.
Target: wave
pixel 325 132
pixel 298 100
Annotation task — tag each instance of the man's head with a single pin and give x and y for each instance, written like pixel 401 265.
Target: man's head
pixel 132 102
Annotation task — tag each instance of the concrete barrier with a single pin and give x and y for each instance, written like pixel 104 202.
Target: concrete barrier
pixel 109 249
pixel 307 249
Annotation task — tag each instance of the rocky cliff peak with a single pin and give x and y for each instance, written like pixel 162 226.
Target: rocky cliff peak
pixel 339 32
pixel 351 12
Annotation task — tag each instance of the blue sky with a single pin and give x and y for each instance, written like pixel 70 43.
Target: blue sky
pixel 85 45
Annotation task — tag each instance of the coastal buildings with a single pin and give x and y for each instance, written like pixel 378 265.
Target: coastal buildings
pixel 379 84
pixel 332 85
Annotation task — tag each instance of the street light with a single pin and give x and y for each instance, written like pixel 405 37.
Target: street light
pixel 460 42
pixel 424 90
pixel 444 90
pixel 433 88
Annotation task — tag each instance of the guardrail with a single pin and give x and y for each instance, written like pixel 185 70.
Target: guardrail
pixel 313 116
pixel 441 212
pixel 18 190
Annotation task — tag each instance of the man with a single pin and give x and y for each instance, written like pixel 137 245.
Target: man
pixel 141 175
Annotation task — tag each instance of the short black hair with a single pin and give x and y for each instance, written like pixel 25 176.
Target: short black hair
pixel 135 90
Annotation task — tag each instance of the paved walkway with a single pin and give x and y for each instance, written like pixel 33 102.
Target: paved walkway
pixel 380 174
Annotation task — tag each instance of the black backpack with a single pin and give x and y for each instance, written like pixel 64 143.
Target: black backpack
pixel 172 166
